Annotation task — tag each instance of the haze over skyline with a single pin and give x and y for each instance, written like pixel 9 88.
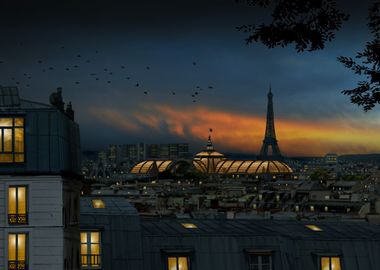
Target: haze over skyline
pixel 175 47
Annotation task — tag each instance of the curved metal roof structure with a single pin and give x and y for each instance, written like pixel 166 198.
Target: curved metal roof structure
pixel 146 166
pixel 253 167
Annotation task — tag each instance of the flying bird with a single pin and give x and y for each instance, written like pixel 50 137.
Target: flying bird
pixel 137 85
pixel 210 87
pixel 145 92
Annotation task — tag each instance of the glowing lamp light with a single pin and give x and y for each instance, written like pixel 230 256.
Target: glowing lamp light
pixel 98 203
pixel 189 225
pixel 313 228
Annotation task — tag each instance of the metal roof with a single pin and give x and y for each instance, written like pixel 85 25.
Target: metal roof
pixel 236 228
pixel 113 206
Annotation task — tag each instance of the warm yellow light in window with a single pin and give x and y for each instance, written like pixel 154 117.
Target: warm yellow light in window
pixel 335 263
pixel 8 140
pixel 182 263
pixel 11 247
pixel 19 140
pixel 19 122
pixel 21 197
pixel 330 263
pixel 21 247
pixel 178 263
pixel 83 237
pixel 98 203
pixel 172 263
pixel 314 228
pixel 189 226
pixel 12 200
pixel 17 247
pixel 6 122
pixel 95 237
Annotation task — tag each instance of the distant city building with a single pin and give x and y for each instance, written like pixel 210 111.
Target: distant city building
pixel 331 158
pixel 40 184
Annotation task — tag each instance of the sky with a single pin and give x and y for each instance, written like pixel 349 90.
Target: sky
pixel 98 51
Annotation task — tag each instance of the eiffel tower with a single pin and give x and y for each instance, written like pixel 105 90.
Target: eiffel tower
pixel 270 149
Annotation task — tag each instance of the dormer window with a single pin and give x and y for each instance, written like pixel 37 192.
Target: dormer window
pixel 12 139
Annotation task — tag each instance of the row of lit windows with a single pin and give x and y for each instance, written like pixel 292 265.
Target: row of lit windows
pixel 90 248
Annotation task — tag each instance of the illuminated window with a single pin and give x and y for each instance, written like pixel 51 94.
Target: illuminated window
pixel 178 263
pixel 11 140
pixel 17 205
pixel 189 225
pixel 90 250
pixel 330 263
pixel 98 203
pixel 260 261
pixel 17 251
pixel 314 228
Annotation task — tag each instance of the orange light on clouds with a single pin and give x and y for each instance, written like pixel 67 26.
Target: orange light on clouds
pixel 245 132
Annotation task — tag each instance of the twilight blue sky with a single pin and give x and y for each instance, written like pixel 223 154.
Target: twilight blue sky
pixel 168 36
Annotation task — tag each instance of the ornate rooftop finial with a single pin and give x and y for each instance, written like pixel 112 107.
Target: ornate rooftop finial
pixel 210 147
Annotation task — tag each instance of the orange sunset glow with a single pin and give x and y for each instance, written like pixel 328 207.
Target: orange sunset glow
pixel 237 132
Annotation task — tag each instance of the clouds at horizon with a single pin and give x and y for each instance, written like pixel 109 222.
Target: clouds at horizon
pixel 237 132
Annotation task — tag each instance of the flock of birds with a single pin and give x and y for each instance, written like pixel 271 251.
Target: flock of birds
pixel 105 75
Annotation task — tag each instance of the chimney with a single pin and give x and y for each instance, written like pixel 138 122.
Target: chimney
pixel 69 111
pixel 56 100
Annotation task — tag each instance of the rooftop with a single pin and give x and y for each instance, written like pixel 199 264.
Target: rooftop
pixel 284 228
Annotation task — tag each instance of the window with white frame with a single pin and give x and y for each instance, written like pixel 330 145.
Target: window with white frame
pixel 260 261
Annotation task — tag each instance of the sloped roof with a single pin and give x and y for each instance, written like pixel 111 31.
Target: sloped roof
pixel 113 206
pixel 291 229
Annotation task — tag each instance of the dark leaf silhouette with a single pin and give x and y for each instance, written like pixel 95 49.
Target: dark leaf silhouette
pixel 309 24
pixel 367 93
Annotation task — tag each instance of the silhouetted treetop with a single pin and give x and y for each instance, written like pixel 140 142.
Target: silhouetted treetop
pixel 309 24
pixel 367 92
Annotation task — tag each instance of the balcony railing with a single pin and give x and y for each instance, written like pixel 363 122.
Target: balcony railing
pixel 15 219
pixel 17 265
pixel 89 261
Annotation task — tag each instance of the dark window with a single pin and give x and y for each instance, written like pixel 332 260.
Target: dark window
pixel 258 261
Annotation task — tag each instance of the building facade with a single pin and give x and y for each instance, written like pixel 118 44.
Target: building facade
pixel 39 186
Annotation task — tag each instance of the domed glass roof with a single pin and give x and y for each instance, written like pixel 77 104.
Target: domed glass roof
pixel 253 167
pixel 207 160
